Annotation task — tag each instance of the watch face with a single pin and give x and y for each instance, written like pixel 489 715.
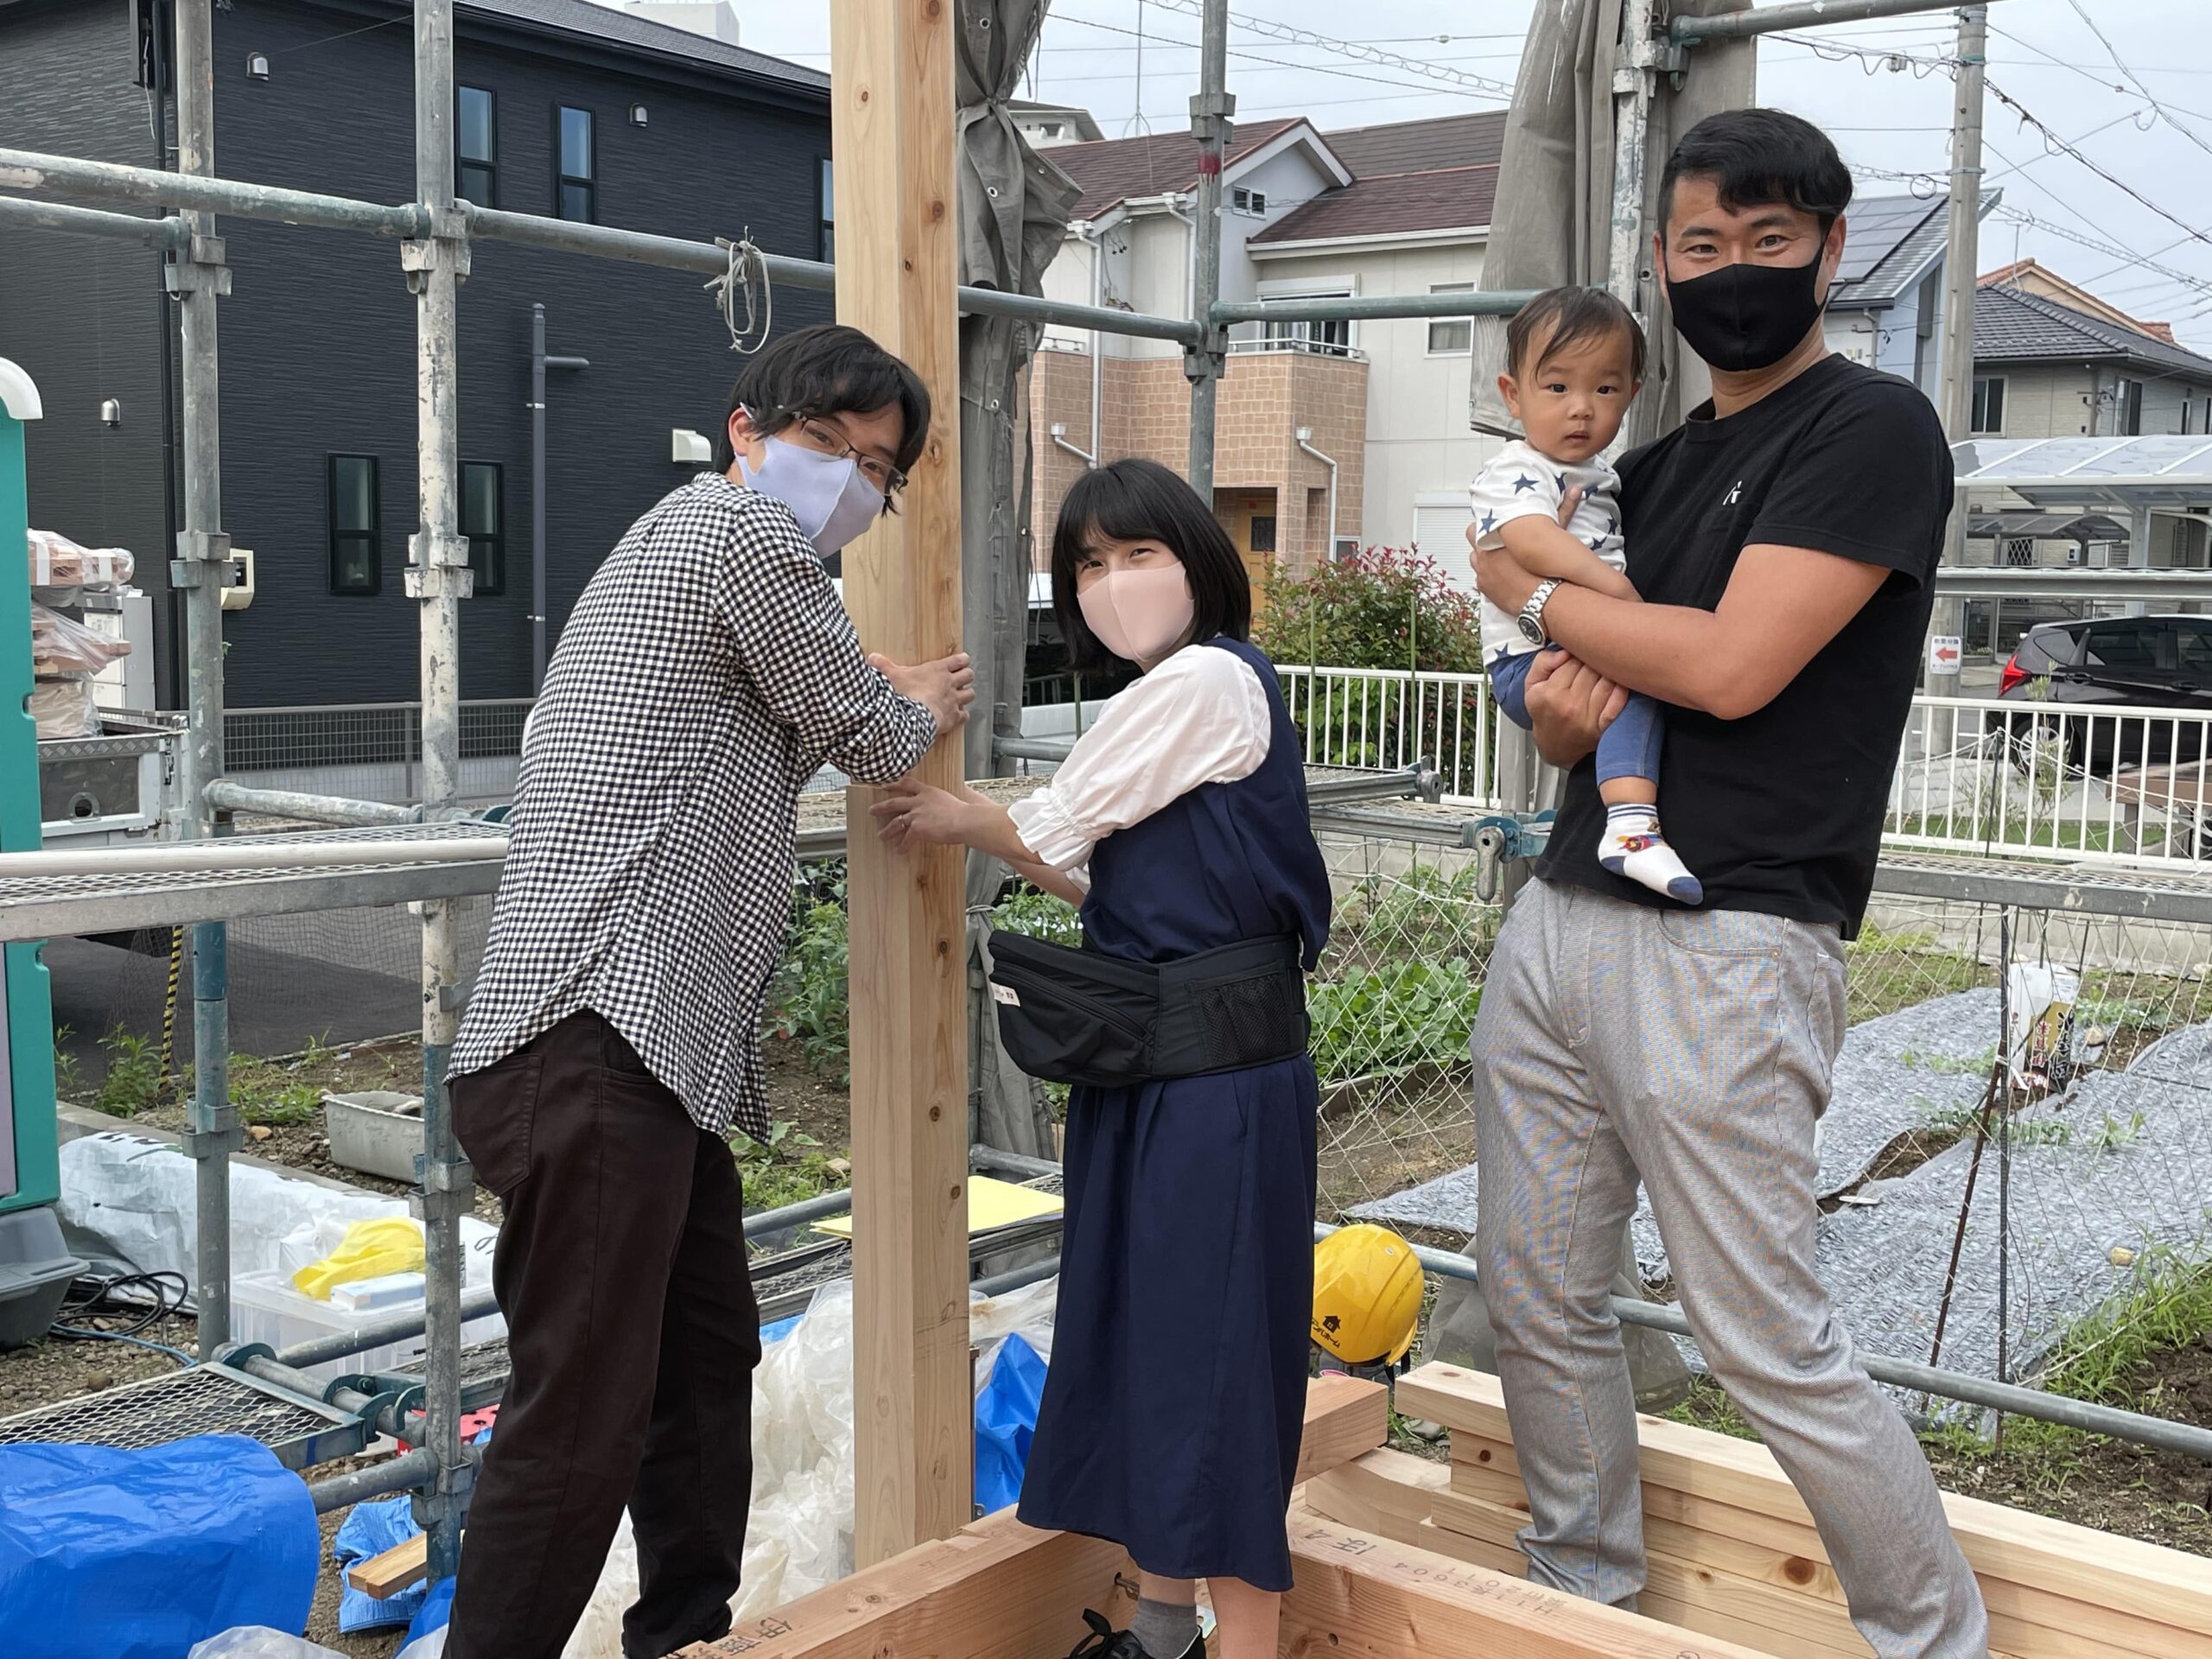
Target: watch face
pixel 1531 630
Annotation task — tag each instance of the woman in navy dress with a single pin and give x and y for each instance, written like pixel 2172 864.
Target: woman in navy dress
pixel 1175 1399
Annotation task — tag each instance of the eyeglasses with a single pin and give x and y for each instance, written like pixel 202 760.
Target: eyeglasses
pixel 830 442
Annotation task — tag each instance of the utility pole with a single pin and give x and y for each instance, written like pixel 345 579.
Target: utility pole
pixel 1962 263
pixel 1211 106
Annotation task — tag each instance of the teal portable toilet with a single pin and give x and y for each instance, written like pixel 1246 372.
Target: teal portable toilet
pixel 34 1269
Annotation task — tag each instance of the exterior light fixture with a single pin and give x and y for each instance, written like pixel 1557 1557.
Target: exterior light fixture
pixel 257 65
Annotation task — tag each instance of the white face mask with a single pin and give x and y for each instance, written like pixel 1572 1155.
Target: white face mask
pixel 830 494
pixel 1140 616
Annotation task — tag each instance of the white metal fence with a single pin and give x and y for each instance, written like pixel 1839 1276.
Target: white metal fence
pixel 1976 775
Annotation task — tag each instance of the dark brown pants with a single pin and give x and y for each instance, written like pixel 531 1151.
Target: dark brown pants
pixel 622 1270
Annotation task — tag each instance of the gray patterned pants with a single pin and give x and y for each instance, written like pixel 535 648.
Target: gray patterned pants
pixel 1692 1049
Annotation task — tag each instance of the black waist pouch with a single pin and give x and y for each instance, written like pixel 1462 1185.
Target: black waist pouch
pixel 1082 1016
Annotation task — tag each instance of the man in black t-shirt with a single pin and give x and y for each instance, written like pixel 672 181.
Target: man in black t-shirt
pixel 1784 543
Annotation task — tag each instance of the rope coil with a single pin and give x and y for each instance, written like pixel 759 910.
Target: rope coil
pixel 746 279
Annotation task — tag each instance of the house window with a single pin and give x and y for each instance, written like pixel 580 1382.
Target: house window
pixel 1451 336
pixel 356 527
pixel 2130 405
pixel 579 180
pixel 475 145
pixel 1989 405
pixel 1263 532
pixel 2019 551
pixel 1333 337
pixel 484 521
pixel 2187 409
pixel 1251 203
pixel 826 215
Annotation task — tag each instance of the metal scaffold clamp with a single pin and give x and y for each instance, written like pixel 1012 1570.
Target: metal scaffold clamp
pixel 1501 839
pixel 202 557
pixel 197 267
pixel 437 566
pixel 445 248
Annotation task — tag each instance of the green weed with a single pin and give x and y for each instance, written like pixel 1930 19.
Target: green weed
pixel 134 1074
pixel 789 1168
pixel 1379 1021
pixel 270 1095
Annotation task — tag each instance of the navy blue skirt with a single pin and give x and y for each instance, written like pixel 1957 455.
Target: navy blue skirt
pixel 1176 1397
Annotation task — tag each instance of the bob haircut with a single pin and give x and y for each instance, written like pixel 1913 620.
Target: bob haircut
pixel 827 369
pixel 1137 500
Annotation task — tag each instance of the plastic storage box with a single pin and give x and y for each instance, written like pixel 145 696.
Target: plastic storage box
pixel 35 1272
pixel 377 1131
pixel 265 1308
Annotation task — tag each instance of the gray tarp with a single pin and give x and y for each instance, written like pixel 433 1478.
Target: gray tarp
pixel 1013 209
pixel 1553 225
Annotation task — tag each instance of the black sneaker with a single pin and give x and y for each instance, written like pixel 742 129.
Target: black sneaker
pixel 1105 1642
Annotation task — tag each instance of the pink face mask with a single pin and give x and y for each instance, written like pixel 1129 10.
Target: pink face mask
pixel 1140 616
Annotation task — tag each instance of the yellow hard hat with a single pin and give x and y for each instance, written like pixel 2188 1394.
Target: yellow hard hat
pixel 1367 1291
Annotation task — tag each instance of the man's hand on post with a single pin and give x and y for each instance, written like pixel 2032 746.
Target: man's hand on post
pixel 1570 705
pixel 945 687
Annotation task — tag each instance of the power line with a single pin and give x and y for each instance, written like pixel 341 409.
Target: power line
pixel 2059 146
pixel 1357 51
pixel 1278 63
pixel 2121 64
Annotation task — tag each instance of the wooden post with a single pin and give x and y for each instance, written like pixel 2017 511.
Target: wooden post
pixel 892 103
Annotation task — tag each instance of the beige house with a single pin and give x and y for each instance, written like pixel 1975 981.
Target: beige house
pixel 1329 436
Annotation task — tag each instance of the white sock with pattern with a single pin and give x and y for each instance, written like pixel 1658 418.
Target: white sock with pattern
pixel 1634 846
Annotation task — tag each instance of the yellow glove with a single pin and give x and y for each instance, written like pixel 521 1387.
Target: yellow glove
pixel 369 1250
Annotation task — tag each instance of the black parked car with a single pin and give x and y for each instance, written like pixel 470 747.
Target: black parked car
pixel 2132 667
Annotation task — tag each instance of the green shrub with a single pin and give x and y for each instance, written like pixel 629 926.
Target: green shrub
pixel 1382 608
pixel 1386 1020
pixel 808 1000
pixel 134 1074
pixel 789 1168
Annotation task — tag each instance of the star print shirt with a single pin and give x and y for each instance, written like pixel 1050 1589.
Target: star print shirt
pixel 1520 482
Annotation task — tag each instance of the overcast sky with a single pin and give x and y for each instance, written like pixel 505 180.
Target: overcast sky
pixel 2149 124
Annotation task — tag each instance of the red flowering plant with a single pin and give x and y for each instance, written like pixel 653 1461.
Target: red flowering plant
pixel 1381 608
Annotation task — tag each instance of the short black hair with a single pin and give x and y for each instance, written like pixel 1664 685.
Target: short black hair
pixel 1756 157
pixel 827 369
pixel 1137 501
pixel 1572 315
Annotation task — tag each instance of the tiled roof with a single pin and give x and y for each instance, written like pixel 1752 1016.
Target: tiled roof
pixel 1115 169
pixel 1453 198
pixel 637 34
pixel 1477 140
pixel 2010 326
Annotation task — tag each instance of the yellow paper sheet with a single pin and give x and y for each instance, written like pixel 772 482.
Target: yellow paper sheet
pixel 990 1204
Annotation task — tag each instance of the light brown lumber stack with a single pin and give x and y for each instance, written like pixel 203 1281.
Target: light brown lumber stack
pixel 999 1590
pixel 1733 1550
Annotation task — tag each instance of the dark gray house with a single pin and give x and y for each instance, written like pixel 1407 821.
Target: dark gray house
pixel 566 108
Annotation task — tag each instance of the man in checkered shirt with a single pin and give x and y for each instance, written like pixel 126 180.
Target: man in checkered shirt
pixel 707 672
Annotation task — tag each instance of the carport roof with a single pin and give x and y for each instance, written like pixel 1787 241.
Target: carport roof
pixel 2171 473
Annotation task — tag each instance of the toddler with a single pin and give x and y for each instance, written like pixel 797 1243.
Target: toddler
pixel 1574 358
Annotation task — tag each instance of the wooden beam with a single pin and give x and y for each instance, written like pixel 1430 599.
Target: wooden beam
pixel 1385 1492
pixel 1363 1597
pixel 892 128
pixel 996 1590
pixel 405 1563
pixel 1344 1417
pixel 2080 1586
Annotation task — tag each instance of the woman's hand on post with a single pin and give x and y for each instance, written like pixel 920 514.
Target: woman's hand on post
pixel 914 815
pixel 944 687
pixel 1570 705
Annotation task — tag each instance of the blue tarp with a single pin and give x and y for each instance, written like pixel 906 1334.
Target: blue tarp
pixel 1006 1417
pixel 139 1554
pixel 369 1530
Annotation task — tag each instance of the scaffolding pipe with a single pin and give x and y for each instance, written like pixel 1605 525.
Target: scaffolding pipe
pixel 2009 1398
pixel 164 234
pixel 394 1474
pixel 196 275
pixel 1379 308
pixel 35 172
pixel 1810 14
pixel 250 853
pixel 379 1333
pixel 438 578
pixel 1206 359
pixel 224 796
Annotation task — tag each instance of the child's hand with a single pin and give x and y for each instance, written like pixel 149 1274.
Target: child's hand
pixel 1567 506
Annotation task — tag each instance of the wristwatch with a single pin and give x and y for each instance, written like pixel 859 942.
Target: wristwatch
pixel 1531 620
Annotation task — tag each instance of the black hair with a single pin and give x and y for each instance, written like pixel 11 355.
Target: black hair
pixel 1137 500
pixel 1756 157
pixel 1572 315
pixel 829 370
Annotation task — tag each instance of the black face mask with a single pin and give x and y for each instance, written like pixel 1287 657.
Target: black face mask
pixel 1742 317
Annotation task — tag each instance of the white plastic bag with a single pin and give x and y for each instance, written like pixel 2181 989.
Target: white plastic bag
pixel 67 707
pixel 259 1641
pixel 61 645
pixel 58 562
